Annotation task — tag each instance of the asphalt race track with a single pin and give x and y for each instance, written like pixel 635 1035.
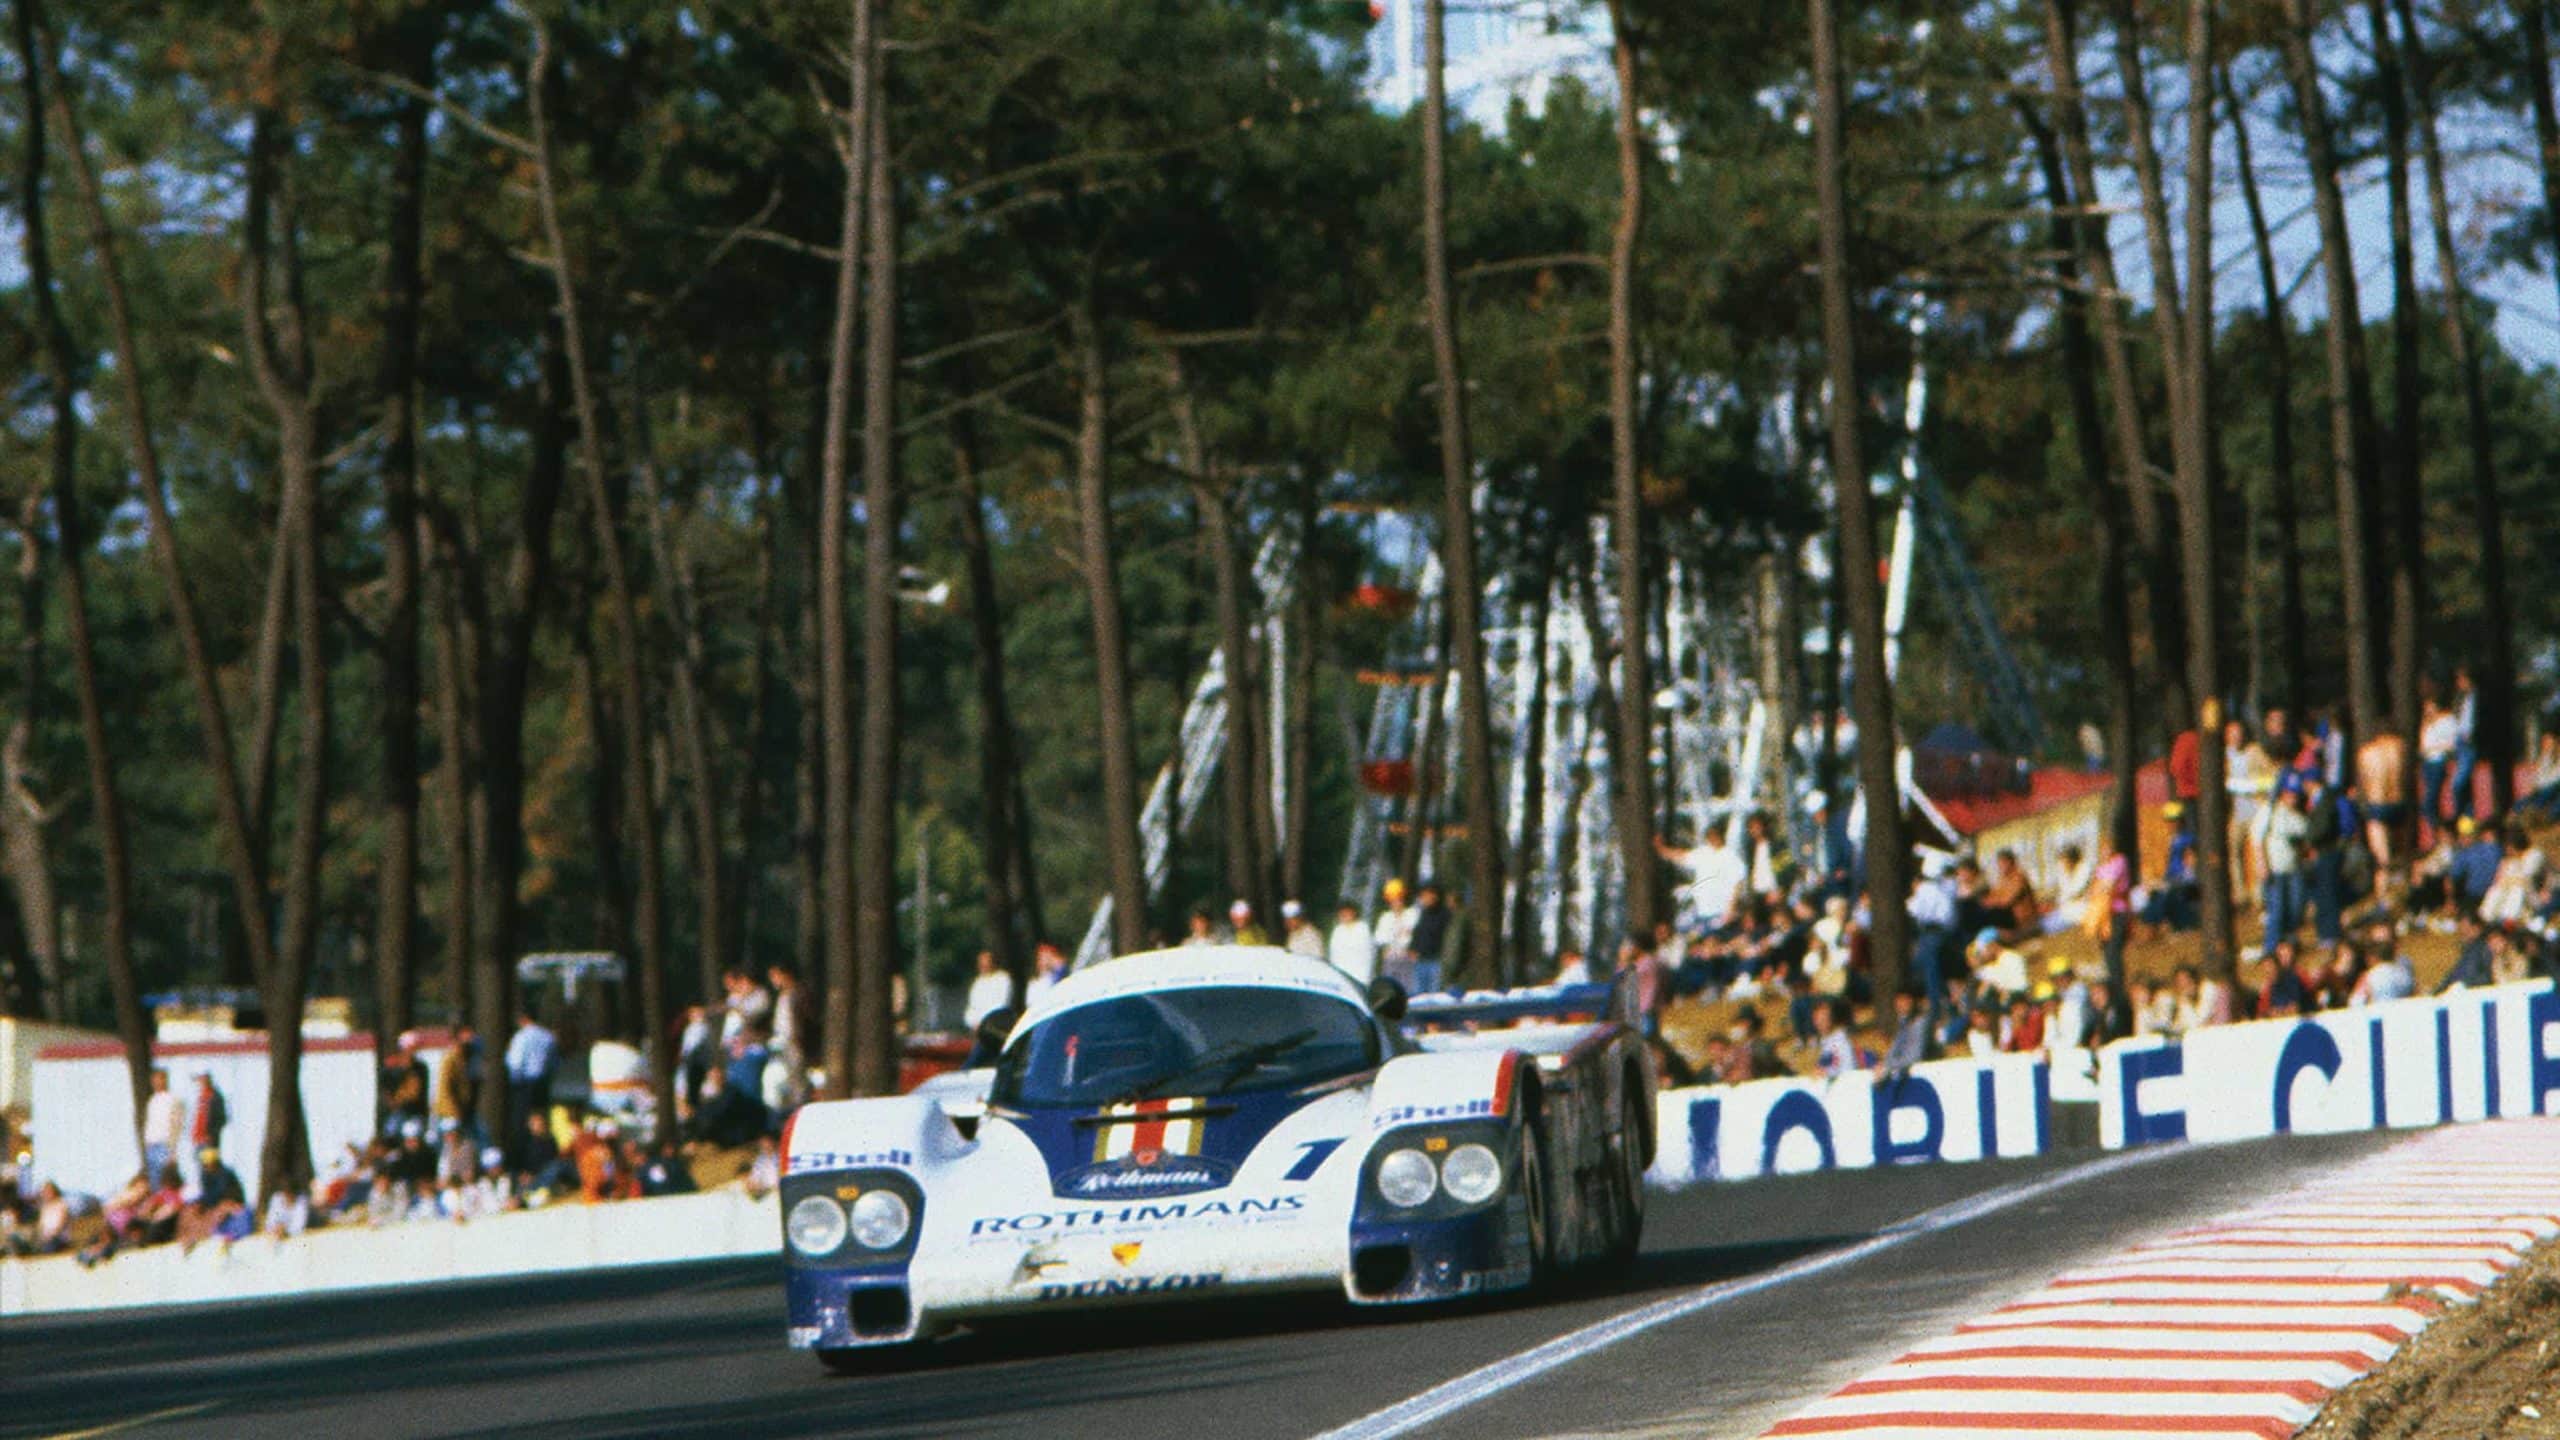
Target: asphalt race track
pixel 1751 1299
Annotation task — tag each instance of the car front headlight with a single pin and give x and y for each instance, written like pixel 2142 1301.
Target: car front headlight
pixel 1471 1174
pixel 1407 1178
pixel 815 1226
pixel 880 1219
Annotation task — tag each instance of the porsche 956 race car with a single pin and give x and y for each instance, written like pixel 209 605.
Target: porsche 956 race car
pixel 1216 1121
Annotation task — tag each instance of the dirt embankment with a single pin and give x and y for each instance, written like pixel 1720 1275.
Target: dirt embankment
pixel 2490 1370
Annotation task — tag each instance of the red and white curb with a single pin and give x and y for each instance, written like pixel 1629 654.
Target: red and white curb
pixel 2240 1327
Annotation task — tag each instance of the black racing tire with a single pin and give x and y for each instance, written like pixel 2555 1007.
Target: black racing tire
pixel 1531 1183
pixel 855 1360
pixel 1626 1190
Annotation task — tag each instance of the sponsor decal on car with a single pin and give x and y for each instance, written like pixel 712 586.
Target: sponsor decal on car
pixel 1510 1277
pixel 835 1160
pixel 1148 1172
pixel 1169 1212
pixel 1395 1115
pixel 1131 1285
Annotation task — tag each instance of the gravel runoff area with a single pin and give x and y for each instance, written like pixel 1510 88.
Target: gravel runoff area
pixel 2490 1370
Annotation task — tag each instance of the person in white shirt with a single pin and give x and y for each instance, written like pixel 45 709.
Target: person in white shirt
pixel 2391 977
pixel 1996 965
pixel 164 1124
pixel 1826 959
pixel 989 991
pixel 288 1213
pixel 1393 932
pixel 1835 1053
pixel 1352 949
pixel 2070 893
pixel 1716 877
pixel 1571 968
pixel 1299 934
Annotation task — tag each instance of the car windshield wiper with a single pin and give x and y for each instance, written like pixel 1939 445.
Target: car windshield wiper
pixel 1232 1062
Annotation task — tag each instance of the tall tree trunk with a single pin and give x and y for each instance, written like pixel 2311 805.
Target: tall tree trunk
pixel 834 732
pixel 1636 819
pixel 286 1159
pixel 396 904
pixel 455 772
pixel 608 776
pixel 2143 502
pixel 2197 492
pixel 247 867
pixel 26 822
pixel 1529 848
pixel 61 361
pixel 765 726
pixel 997 845
pixel 2351 432
pixel 2493 673
pixel 2534 18
pixel 1424 811
pixel 2184 326
pixel 280 362
pixel 503 657
pixel 1115 731
pixel 1458 527
pixel 1297 744
pixel 2292 629
pixel 875 1052
pixel 2076 229
pixel 1241 772
pixel 1888 854
pixel 695 746
pixel 2407 542
pixel 641 802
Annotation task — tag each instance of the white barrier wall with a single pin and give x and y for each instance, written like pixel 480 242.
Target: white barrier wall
pixel 1947 1110
pixel 719 1224
pixel 82 1112
pixel 2472 1055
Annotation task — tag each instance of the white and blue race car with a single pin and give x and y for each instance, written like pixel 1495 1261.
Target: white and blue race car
pixel 1222 1120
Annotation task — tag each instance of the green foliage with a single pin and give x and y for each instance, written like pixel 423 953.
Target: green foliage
pixel 1208 176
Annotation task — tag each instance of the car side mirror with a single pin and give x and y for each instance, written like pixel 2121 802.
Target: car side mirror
pixel 992 1033
pixel 1387 999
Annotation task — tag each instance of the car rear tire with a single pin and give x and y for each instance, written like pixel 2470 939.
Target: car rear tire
pixel 1535 1195
pixel 1626 1190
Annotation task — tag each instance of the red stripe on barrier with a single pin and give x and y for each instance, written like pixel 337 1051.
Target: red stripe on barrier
pixel 2426 1304
pixel 2035 1420
pixel 2449 1282
pixel 2417 1240
pixel 2377 1330
pixel 2306 1391
pixel 2352 1359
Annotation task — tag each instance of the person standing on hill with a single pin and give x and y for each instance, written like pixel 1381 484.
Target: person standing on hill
pixel 1396 922
pixel 1430 938
pixel 1351 949
pixel 164 1121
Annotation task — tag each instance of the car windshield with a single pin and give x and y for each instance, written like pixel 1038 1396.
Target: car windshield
pixel 1212 1040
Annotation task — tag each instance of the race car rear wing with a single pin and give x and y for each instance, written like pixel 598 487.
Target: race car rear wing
pixel 1590 1004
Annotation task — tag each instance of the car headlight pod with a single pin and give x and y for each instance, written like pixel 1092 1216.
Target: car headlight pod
pixel 1407 1178
pixel 880 1219
pixel 1472 1174
pixel 816 1226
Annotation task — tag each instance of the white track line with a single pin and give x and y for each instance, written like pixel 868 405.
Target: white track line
pixel 1483 1384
